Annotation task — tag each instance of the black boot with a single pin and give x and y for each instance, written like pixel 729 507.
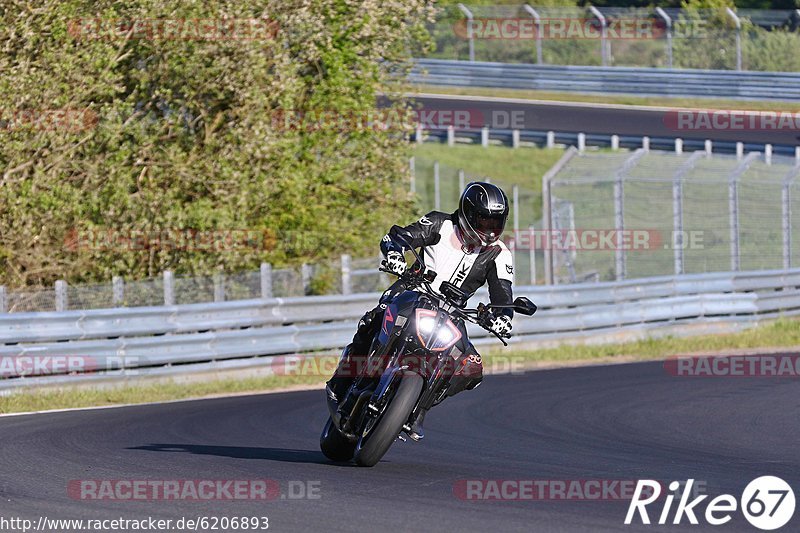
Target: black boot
pixel 416 432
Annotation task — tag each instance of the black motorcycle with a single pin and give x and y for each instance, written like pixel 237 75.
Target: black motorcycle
pixel 409 365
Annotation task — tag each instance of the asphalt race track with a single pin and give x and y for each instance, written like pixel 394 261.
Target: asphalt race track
pixel 596 118
pixel 621 422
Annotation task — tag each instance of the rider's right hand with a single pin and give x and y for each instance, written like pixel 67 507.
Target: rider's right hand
pixel 396 262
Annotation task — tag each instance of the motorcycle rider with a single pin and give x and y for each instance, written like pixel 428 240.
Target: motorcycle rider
pixel 461 247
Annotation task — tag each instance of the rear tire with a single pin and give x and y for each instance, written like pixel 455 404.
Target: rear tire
pixel 372 447
pixel 334 445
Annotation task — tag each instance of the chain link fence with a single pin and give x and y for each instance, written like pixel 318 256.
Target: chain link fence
pixel 639 214
pixel 745 39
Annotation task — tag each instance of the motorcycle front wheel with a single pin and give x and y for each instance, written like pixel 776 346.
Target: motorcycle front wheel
pixel 334 445
pixel 372 446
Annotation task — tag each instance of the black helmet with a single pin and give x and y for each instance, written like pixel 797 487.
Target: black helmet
pixel 482 213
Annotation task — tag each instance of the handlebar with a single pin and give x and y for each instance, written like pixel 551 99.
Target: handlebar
pixel 479 315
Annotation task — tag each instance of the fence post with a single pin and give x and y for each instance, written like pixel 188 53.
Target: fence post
pixel 485 137
pixel 3 299
pixel 305 276
pixel 169 288
pixel 347 280
pixel 532 253
pixel 549 275
pixel 738 23
pixel 619 225
pixel 603 34
pixel 117 290
pixel 413 171
pixel 677 209
pixel 437 193
pixel 787 215
pixel 515 199
pixel 219 287
pixel 532 12
pixel 470 37
pixel 61 295
pixel 266 280
pixel 668 22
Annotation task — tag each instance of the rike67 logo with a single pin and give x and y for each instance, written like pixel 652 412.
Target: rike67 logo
pixel 767 503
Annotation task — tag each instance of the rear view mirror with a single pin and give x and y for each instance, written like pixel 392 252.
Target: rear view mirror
pixel 524 306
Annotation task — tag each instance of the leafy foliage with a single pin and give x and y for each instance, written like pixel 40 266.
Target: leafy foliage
pixel 180 134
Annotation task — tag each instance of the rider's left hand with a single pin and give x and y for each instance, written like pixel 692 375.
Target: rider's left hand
pixel 500 324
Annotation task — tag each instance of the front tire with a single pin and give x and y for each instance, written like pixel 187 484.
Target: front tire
pixel 334 445
pixel 373 446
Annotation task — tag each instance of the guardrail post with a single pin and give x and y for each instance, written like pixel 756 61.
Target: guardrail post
pixel 437 193
pixel 581 142
pixel 305 276
pixel 266 279
pixel 646 143
pixel 61 295
pixel 768 154
pixel 603 34
pixel 615 142
pixel 347 282
pixel 461 180
pixel 532 253
pixel 668 22
pixel 739 150
pixel 169 288
pixel 485 137
pixel 679 146
pixel 532 12
pixel 451 135
pixel 514 138
pixel 418 134
pixel 738 23
pixel 551 139
pixel 219 287
pixel 117 291
pixel 470 36
pixel 797 154
pixel 709 146
pixel 3 299
pixel 413 171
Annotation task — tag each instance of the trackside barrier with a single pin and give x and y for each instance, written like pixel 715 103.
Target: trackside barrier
pixel 609 80
pixel 240 333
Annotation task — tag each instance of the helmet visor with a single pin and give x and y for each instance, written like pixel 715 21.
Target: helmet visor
pixel 490 227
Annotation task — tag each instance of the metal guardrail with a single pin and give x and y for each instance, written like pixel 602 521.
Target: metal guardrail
pixel 605 80
pixel 171 339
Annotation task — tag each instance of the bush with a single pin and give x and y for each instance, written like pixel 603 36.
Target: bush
pixel 178 134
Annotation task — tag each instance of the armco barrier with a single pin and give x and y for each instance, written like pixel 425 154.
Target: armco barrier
pixel 609 80
pixel 172 339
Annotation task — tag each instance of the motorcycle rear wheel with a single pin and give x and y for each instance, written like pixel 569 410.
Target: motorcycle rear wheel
pixel 334 445
pixel 376 443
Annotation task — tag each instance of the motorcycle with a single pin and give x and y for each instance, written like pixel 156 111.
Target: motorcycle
pixel 409 365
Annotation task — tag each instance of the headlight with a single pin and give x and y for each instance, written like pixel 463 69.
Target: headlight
pixel 443 338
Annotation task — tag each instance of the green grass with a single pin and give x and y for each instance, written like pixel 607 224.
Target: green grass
pixel 782 333
pixel 702 103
